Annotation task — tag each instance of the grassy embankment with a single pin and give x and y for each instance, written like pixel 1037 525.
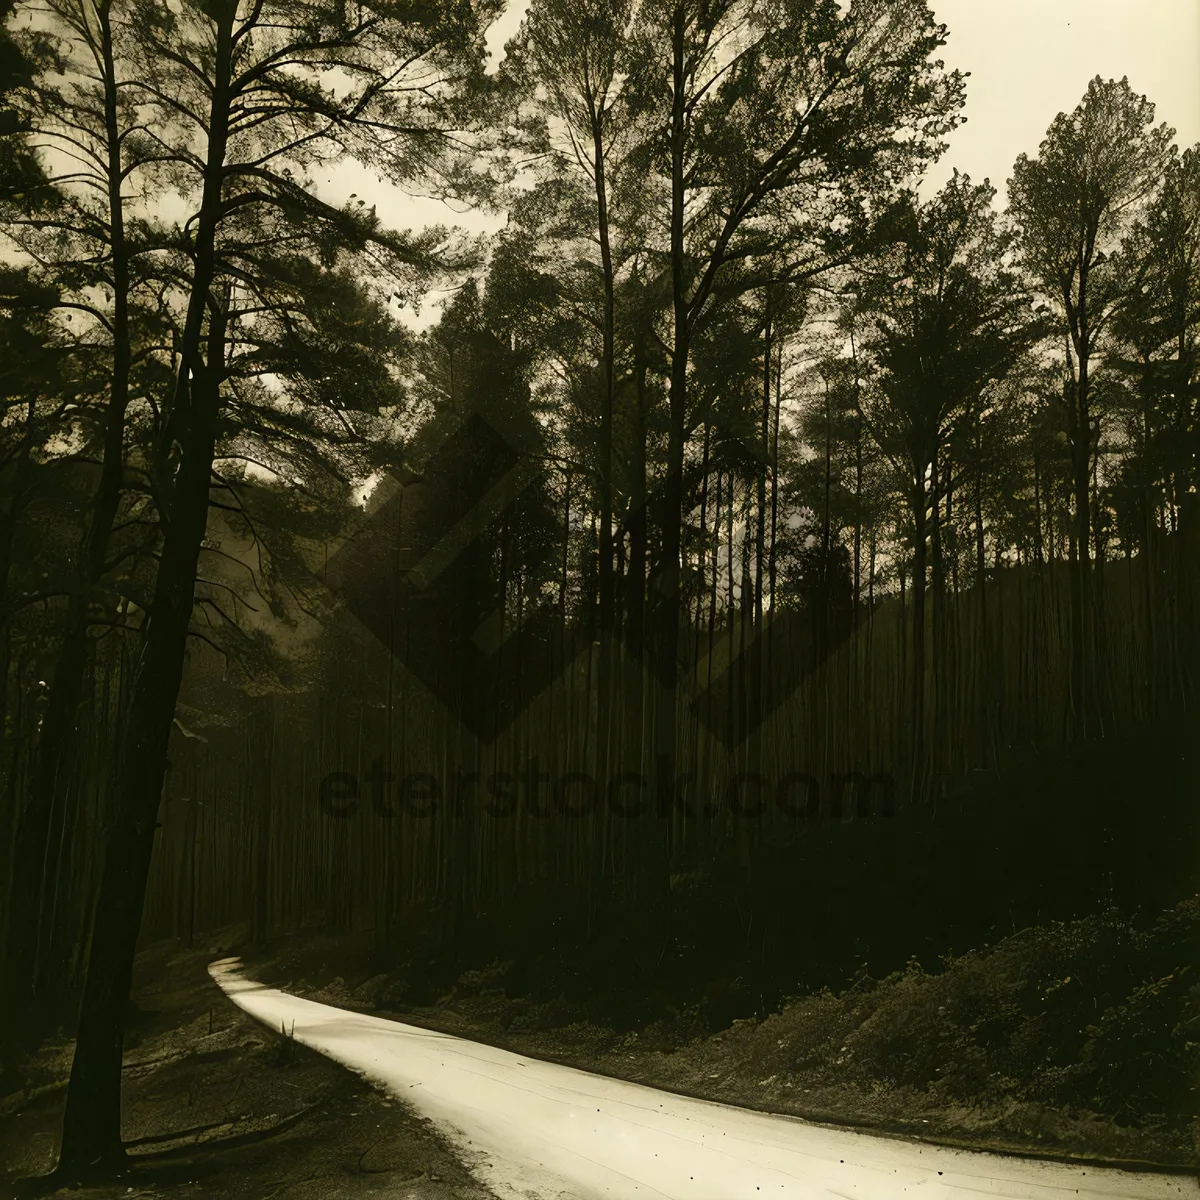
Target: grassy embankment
pixel 1078 1039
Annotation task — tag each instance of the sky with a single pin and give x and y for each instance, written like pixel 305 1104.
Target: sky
pixel 1032 59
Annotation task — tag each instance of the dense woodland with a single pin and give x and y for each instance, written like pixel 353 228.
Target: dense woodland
pixel 741 457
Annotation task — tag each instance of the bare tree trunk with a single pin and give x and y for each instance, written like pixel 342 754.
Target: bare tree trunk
pixel 858 481
pixel 635 583
pixel 985 643
pixel 1081 600
pixel 1147 564
pixel 91 1126
pixel 702 557
pixel 564 575
pixel 822 639
pixel 606 580
pixel 939 603
pixel 665 583
pixel 775 475
pixel 92 1122
pixel 712 600
pixel 920 532
pixel 760 536
pixel 607 649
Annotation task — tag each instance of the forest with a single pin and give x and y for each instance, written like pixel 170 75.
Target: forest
pixel 748 569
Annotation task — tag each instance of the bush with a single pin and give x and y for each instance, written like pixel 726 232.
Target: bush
pixel 1095 1014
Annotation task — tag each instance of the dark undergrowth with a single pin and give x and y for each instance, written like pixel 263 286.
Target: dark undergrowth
pixel 1054 838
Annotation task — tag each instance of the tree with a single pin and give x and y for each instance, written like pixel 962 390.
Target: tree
pixel 256 80
pixel 951 320
pixel 1155 330
pixel 1072 204
pixel 770 126
pixel 575 56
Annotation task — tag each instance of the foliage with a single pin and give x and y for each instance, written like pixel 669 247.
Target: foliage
pixel 1098 1015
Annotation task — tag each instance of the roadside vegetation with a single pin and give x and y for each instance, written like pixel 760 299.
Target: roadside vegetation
pixel 1071 1039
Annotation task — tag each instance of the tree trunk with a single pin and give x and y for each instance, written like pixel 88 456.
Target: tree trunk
pixel 1081 600
pixel 858 476
pixel 702 557
pixel 920 534
pixel 665 588
pixel 606 581
pixel 92 1122
pixel 91 1126
pixel 564 576
pixel 605 547
pixel 772 565
pixel 1147 564
pixel 822 640
pixel 936 701
pixel 985 651
pixel 760 533
pixel 635 581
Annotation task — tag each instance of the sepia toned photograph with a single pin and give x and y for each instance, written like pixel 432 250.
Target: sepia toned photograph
pixel 600 599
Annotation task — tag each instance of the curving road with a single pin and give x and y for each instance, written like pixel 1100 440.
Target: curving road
pixel 541 1131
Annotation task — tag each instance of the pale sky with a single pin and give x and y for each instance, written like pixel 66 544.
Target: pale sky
pixel 1032 59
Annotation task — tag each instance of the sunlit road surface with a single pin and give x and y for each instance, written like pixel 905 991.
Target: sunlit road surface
pixel 542 1131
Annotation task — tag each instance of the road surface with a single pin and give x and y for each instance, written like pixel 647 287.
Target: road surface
pixel 535 1130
